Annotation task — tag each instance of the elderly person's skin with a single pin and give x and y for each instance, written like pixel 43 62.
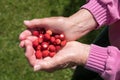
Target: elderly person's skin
pixel 74 53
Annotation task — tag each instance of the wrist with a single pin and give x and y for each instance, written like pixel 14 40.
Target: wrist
pixel 81 53
pixel 85 54
pixel 83 21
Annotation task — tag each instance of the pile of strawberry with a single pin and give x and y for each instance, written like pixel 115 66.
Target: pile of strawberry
pixel 47 43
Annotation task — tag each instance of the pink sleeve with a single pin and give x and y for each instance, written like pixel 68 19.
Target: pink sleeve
pixel 105 61
pixel 104 11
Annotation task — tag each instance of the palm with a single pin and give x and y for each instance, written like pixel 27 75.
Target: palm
pixel 69 55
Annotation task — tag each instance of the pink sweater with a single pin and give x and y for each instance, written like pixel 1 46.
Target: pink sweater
pixel 106 60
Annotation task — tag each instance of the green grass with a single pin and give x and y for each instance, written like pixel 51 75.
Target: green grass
pixel 13 64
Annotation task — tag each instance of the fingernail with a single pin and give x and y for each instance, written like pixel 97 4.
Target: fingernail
pixel 26 21
pixel 36 67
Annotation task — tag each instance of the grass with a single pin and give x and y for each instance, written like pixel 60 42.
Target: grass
pixel 13 64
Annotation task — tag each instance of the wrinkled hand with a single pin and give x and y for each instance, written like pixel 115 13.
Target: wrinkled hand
pixel 73 27
pixel 56 24
pixel 74 53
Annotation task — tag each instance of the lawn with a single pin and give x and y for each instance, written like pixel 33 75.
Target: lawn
pixel 13 64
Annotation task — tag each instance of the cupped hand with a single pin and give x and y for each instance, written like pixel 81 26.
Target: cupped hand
pixel 56 24
pixel 73 27
pixel 74 53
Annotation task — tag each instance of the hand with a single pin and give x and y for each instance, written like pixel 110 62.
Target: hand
pixel 73 27
pixel 74 53
pixel 56 24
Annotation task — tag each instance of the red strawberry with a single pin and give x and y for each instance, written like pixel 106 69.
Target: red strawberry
pixel 38 54
pixel 45 53
pixel 46 36
pixel 51 54
pixel 41 36
pixel 57 36
pixel 58 48
pixel 63 43
pixel 44 45
pixel 57 41
pixel 38 47
pixel 35 43
pixel 40 40
pixel 52 39
pixel 49 32
pixel 62 36
pixel 52 48
pixel 35 33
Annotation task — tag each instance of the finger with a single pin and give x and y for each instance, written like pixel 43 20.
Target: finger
pixel 35 23
pixel 31 38
pixel 42 22
pixel 30 52
pixel 49 64
pixel 22 43
pixel 25 34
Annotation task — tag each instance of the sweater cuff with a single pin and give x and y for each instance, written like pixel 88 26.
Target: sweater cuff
pixel 97 59
pixel 99 11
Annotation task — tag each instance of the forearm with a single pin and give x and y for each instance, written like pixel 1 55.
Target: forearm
pixel 83 21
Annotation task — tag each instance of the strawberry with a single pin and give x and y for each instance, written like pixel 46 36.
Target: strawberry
pixel 46 37
pixel 52 48
pixel 57 41
pixel 57 36
pixel 44 45
pixel 63 43
pixel 40 40
pixel 49 32
pixel 35 43
pixel 51 54
pixel 38 47
pixel 41 36
pixel 38 54
pixel 58 48
pixel 35 33
pixel 45 53
pixel 52 39
pixel 62 37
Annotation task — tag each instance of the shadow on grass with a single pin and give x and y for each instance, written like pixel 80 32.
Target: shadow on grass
pixel 68 9
pixel 72 7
